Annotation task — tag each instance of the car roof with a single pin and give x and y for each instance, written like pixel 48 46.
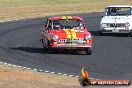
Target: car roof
pixel 65 17
pixel 119 6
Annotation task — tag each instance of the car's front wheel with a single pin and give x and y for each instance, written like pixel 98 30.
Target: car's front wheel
pixel 130 33
pixel 89 51
pixel 49 47
pixel 101 33
pixel 45 48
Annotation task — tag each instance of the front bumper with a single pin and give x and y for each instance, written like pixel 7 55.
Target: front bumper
pixel 72 47
pixel 115 31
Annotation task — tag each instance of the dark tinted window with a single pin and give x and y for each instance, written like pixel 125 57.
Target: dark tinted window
pixel 117 11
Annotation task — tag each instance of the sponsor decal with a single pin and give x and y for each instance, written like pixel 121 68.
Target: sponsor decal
pixel 78 40
pixel 63 17
pixel 78 30
pixel 66 17
pixel 68 33
pixel 85 81
pixel 73 34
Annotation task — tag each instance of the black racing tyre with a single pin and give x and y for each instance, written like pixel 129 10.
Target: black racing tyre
pixel 89 51
pixel 49 47
pixel 101 33
pixel 130 34
pixel 45 48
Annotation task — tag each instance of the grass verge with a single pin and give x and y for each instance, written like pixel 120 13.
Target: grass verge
pixel 11 77
pixel 12 9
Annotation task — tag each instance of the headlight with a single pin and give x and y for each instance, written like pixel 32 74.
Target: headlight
pixel 87 37
pixel 127 24
pixel 55 38
pixel 104 25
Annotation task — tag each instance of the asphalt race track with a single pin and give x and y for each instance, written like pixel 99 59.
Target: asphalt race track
pixel 111 58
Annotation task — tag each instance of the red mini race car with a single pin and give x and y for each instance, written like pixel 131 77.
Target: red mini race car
pixel 66 33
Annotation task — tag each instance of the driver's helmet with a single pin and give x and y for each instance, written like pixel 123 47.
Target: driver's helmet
pixel 56 24
pixel 80 24
pixel 113 11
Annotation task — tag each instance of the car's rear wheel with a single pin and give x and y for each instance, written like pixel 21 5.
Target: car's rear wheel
pixel 89 51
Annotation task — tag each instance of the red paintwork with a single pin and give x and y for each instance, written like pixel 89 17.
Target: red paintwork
pixel 63 35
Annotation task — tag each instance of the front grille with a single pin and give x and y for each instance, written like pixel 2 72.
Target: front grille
pixel 116 25
pixel 67 41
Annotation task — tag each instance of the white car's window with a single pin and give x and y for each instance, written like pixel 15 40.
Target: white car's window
pixel 118 11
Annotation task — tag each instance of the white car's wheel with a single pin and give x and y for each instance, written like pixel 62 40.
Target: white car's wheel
pixel 130 34
pixel 101 33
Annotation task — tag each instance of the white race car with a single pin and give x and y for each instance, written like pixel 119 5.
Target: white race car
pixel 117 19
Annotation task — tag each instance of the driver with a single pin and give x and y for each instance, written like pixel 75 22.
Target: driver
pixel 56 24
pixel 80 25
pixel 113 11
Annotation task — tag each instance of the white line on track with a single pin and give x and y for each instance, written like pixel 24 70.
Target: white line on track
pixel 39 70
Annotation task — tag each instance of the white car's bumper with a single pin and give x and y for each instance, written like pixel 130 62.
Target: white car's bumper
pixel 115 30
